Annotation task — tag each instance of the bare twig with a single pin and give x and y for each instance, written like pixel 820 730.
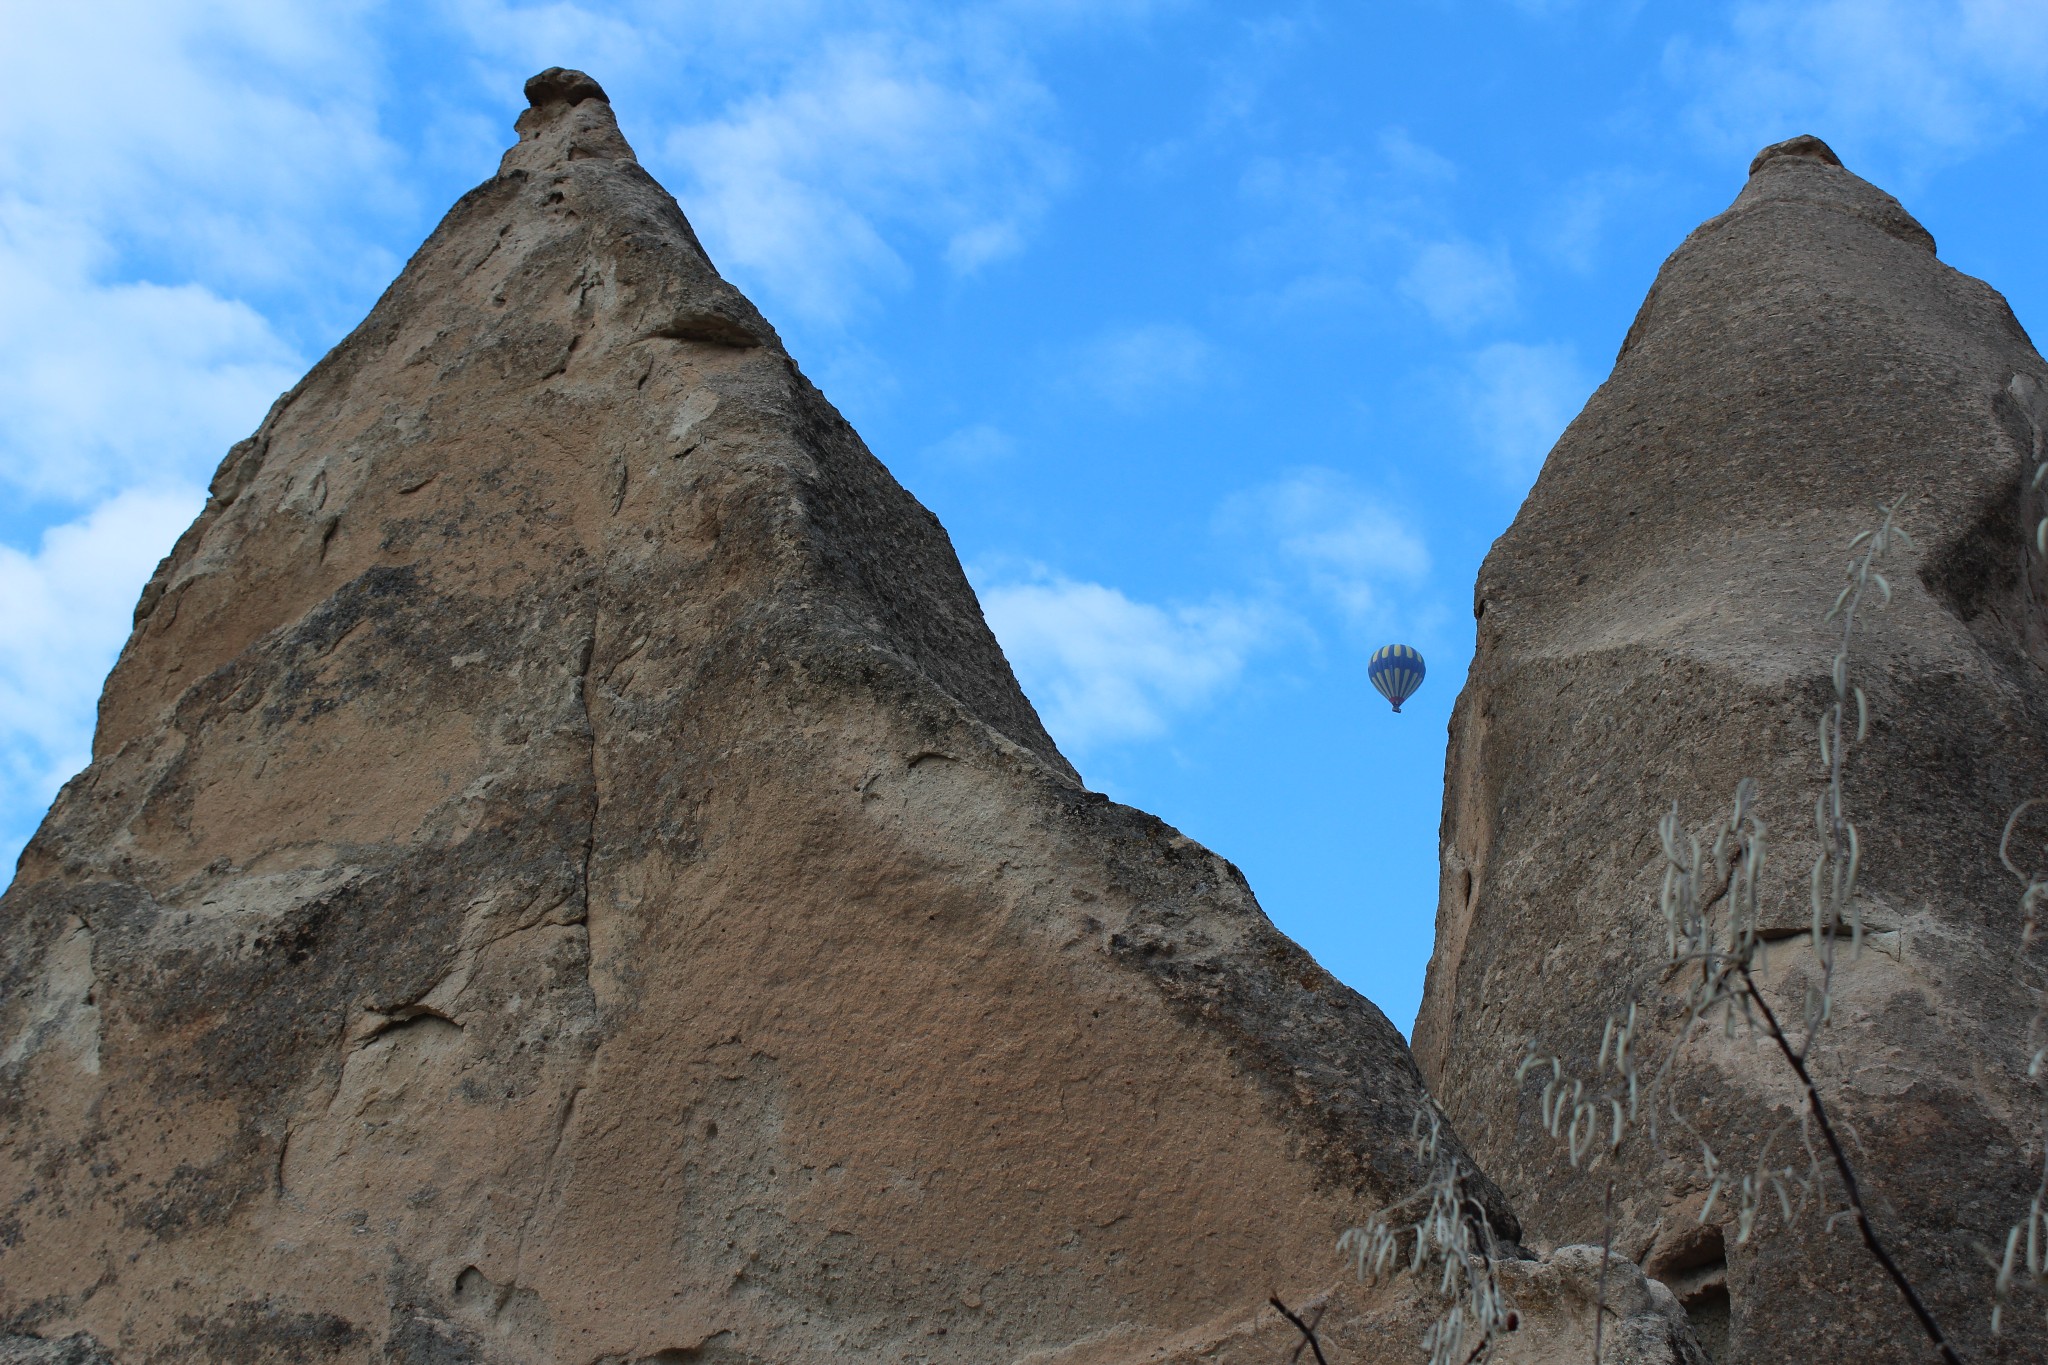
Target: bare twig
pixel 1313 1323
pixel 1797 1061
pixel 1606 1250
pixel 1307 1332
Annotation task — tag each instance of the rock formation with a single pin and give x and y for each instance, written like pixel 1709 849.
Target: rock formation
pixel 1650 632
pixel 566 875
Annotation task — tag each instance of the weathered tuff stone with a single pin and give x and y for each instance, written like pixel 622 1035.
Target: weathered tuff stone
pixel 1556 1299
pixel 1650 631
pixel 567 875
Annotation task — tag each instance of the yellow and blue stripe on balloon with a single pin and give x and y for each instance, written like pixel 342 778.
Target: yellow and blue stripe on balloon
pixel 1396 670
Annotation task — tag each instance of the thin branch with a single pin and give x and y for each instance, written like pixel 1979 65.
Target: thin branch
pixel 1302 1327
pixel 1606 1249
pixel 1847 1172
pixel 1313 1323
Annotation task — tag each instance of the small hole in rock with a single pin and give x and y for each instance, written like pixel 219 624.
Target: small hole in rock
pixel 1695 1266
pixel 1708 1310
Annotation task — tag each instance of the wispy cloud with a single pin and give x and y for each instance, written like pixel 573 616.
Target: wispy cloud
pixel 619 42
pixel 829 149
pixel 176 178
pixel 1134 367
pixel 1239 88
pixel 1316 227
pixel 1325 213
pixel 808 189
pixel 1933 77
pixel 1520 398
pixel 1459 284
pixel 107 385
pixel 162 164
pixel 1409 161
pixel 201 140
pixel 1574 223
pixel 193 198
pixel 64 611
pixel 1379 226
pixel 1104 668
pixel 981 443
pixel 1348 544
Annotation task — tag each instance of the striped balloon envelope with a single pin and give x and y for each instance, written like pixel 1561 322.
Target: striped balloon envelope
pixel 1396 670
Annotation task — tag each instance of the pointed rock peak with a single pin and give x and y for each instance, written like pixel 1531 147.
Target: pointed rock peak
pixel 1799 355
pixel 568 118
pixel 560 85
pixel 1805 145
pixel 1804 170
pixel 641 826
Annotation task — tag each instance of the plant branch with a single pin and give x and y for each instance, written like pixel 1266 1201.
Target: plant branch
pixel 1795 1060
pixel 1606 1250
pixel 1302 1327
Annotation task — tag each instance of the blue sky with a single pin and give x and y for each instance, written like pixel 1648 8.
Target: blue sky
pixel 1223 337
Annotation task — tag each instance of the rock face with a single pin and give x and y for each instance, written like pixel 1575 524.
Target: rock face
pixel 1650 631
pixel 567 875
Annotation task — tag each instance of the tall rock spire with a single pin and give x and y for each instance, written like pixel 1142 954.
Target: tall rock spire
pixel 1651 631
pixel 566 874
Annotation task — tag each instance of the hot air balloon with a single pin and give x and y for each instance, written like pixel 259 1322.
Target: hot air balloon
pixel 1396 670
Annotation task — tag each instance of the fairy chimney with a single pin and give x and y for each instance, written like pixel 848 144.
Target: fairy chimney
pixel 1651 631
pixel 567 875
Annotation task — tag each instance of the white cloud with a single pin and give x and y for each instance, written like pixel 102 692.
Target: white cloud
pixel 1520 398
pixel 1322 214
pixel 1103 668
pixel 1087 13
pixel 64 612
pixel 876 135
pixel 974 247
pixel 1348 231
pixel 1459 284
pixel 106 385
pixel 979 444
pixel 823 148
pixel 204 136
pixel 1574 222
pixel 1409 160
pixel 159 160
pixel 614 42
pixel 193 195
pixel 1238 82
pixel 161 166
pixel 1932 77
pixel 1346 542
pixel 1314 214
pixel 1133 367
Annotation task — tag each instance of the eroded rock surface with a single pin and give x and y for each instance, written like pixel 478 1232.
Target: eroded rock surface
pixel 566 875
pixel 1556 1300
pixel 1650 631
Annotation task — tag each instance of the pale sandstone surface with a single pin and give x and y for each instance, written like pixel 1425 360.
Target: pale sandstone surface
pixel 566 875
pixel 1650 631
